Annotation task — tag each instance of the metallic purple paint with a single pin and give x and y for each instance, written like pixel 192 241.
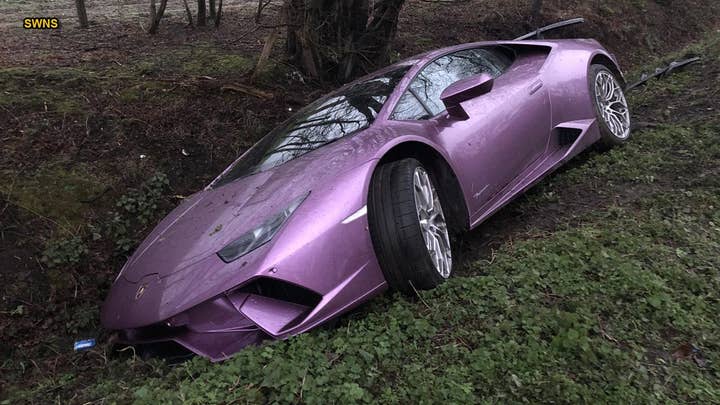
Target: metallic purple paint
pixel 175 287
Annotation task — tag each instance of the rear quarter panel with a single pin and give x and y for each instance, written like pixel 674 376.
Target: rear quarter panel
pixel 565 74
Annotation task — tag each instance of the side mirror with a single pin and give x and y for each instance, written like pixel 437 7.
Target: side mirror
pixel 463 90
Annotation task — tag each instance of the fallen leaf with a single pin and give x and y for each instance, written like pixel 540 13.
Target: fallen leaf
pixel 683 351
pixel 216 230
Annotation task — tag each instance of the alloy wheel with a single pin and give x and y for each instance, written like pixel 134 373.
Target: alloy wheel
pixel 432 222
pixel 612 104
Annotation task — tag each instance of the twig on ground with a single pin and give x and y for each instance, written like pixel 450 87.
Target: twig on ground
pixel 39 215
pixel 303 384
pixel 603 333
pixel 252 91
pixel 419 296
pixel 492 256
pixel 129 348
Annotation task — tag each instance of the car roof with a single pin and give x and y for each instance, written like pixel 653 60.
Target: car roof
pixel 417 62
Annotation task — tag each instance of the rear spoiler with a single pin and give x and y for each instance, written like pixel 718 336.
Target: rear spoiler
pixel 538 32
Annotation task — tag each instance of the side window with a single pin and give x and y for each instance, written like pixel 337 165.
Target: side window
pixel 410 108
pixel 422 99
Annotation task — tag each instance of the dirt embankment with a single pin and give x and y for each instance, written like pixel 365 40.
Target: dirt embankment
pixel 632 30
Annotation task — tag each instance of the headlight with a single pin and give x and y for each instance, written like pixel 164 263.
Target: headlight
pixel 260 235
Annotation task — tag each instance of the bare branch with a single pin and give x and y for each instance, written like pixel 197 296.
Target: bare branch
pixel 261 6
pixel 242 88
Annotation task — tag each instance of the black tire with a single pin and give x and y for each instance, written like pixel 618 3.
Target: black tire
pixel 608 139
pixel 395 228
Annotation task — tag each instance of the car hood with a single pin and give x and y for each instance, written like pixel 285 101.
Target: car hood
pixel 210 219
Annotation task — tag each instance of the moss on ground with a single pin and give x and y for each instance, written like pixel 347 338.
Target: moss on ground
pixel 56 89
pixel 63 195
pixel 60 90
pixel 202 60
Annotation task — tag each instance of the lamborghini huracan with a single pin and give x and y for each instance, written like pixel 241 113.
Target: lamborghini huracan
pixel 362 190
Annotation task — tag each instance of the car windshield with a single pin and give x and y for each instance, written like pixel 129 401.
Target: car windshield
pixel 328 119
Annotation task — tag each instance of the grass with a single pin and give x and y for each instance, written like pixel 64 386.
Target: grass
pixel 616 303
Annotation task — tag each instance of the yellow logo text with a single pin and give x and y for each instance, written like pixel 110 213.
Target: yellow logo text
pixel 41 23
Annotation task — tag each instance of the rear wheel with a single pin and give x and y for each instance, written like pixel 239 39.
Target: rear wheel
pixel 408 226
pixel 611 107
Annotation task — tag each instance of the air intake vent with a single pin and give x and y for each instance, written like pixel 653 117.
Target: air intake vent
pixel 282 291
pixel 567 136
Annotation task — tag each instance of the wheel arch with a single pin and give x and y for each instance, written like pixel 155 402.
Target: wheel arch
pixel 449 184
pixel 601 58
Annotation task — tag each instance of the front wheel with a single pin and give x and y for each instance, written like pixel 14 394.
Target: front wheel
pixel 611 107
pixel 408 226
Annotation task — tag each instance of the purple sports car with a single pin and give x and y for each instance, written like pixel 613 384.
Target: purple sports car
pixel 362 190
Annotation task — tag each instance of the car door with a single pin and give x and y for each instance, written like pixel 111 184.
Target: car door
pixel 507 128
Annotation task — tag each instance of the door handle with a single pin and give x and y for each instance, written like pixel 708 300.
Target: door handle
pixel 535 87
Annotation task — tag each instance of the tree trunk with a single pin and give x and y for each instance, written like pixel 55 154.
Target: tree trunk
pixel 211 7
pixel 82 13
pixel 156 15
pixel 340 39
pixel 202 14
pixel 535 14
pixel 294 13
pixel 218 14
pixel 375 43
pixel 265 54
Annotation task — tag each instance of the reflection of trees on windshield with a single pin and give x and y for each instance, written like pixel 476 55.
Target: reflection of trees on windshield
pixel 424 92
pixel 326 120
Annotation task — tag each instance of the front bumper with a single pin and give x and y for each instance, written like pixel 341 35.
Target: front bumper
pixel 220 327
pixel 264 308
